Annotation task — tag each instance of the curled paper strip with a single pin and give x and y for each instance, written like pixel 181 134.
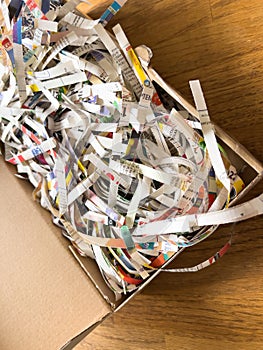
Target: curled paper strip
pixel 129 174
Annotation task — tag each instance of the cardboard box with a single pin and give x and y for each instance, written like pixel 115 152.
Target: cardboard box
pixel 50 297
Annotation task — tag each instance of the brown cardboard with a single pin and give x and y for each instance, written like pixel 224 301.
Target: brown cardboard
pixel 90 268
pixel 45 298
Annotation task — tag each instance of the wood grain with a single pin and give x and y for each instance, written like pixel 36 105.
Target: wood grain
pixel 220 43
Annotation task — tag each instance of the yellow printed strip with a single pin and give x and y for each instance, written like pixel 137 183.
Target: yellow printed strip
pixel 131 55
pixel 137 65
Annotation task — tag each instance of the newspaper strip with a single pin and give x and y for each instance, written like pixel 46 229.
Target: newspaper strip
pixel 205 263
pixel 209 134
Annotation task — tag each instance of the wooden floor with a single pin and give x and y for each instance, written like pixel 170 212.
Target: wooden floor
pixel 219 42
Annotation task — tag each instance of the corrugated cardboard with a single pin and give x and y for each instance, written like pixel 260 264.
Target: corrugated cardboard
pixel 45 298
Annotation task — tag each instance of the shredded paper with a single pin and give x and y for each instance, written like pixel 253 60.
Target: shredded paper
pixel 129 174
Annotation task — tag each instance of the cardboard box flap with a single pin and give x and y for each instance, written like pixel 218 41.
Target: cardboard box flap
pixel 45 298
pixel 90 268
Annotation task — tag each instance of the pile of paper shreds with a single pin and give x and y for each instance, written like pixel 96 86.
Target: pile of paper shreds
pixel 128 177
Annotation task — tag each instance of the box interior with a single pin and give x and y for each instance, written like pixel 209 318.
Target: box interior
pixel 42 287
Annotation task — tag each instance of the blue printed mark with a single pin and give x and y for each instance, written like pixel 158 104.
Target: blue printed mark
pixel 36 151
